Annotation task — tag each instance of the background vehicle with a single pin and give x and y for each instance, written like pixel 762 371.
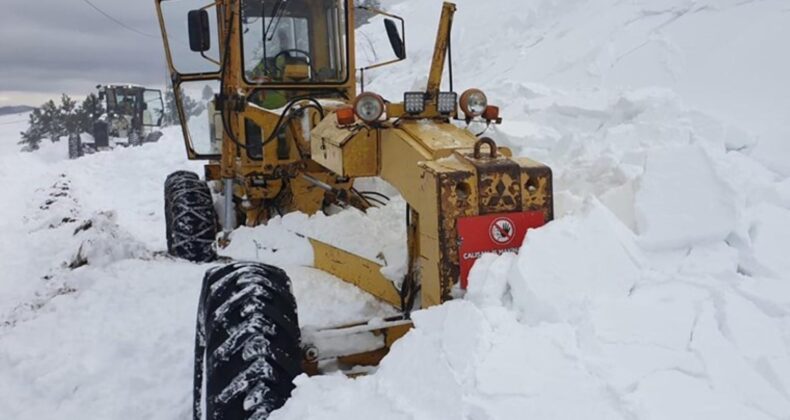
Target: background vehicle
pixel 132 112
pixel 288 131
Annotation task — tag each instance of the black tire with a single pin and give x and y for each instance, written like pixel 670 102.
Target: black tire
pixel 190 218
pixel 75 146
pixel 247 344
pixel 101 134
pixel 173 178
pixel 153 137
pixel 135 138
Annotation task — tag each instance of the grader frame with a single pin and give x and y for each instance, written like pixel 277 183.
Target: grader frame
pixel 444 172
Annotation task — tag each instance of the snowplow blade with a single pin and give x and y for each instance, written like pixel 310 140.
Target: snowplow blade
pixel 356 270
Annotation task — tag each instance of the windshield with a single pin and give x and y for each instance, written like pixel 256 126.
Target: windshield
pixel 294 41
pixel 122 100
pixel 154 108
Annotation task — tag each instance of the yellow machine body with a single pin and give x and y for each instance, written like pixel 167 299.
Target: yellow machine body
pixel 445 173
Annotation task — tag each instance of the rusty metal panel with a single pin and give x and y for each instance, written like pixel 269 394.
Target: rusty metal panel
pixel 456 201
pixel 213 172
pixel 499 185
pixel 537 184
pixel 457 196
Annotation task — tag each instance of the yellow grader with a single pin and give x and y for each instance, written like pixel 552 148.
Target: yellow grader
pixel 288 131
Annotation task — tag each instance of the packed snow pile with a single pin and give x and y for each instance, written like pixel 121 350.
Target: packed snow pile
pixel 662 290
pixel 727 57
pixel 584 323
pixel 103 242
pixel 378 235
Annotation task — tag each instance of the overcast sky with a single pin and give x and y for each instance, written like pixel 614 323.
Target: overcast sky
pixel 54 46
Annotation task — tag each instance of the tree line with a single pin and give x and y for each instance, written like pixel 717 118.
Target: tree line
pixel 55 120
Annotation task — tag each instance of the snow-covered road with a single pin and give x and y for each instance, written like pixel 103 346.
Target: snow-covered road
pixel 113 338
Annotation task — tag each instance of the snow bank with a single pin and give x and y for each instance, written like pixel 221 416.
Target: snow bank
pixel 681 201
pixel 102 242
pixel 577 326
pixel 86 350
pixel 723 56
pixel 567 266
pixel 769 231
pixel 91 311
pixel 661 291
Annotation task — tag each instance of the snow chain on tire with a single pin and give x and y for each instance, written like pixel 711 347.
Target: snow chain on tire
pixel 190 218
pixel 75 146
pixel 247 342
pixel 135 139
pixel 153 137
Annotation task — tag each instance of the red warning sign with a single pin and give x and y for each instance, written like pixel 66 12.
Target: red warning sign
pixel 493 233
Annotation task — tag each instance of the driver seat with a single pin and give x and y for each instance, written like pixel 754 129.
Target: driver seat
pixel 296 69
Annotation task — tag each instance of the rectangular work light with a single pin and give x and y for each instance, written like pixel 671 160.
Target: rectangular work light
pixel 447 102
pixel 414 102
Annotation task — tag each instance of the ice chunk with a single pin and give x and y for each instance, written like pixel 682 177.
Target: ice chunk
pixel 729 373
pixel 572 262
pixel 488 280
pixel 769 232
pixel 527 373
pixel 712 259
pixel 681 201
pixel 620 200
pixel 661 315
pixel 771 150
pixel 419 378
pixel 673 394
pixel 754 333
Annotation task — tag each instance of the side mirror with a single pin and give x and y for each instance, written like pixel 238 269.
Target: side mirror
pixel 395 39
pixel 199 31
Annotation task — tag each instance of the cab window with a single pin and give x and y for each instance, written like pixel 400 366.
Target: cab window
pixel 294 41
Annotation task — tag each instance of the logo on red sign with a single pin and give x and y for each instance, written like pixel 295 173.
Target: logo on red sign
pixel 502 231
pixel 496 233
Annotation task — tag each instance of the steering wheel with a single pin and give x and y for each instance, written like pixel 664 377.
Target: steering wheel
pixel 293 50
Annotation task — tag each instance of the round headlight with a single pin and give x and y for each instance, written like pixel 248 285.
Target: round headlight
pixel 369 107
pixel 474 103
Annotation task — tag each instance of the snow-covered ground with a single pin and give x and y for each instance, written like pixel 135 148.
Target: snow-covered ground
pixel 661 292
pixel 95 321
pixel 663 289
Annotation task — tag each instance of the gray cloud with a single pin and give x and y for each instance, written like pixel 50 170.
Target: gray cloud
pixel 53 46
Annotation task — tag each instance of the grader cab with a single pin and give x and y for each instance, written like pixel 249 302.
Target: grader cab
pixel 287 129
pixel 133 113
